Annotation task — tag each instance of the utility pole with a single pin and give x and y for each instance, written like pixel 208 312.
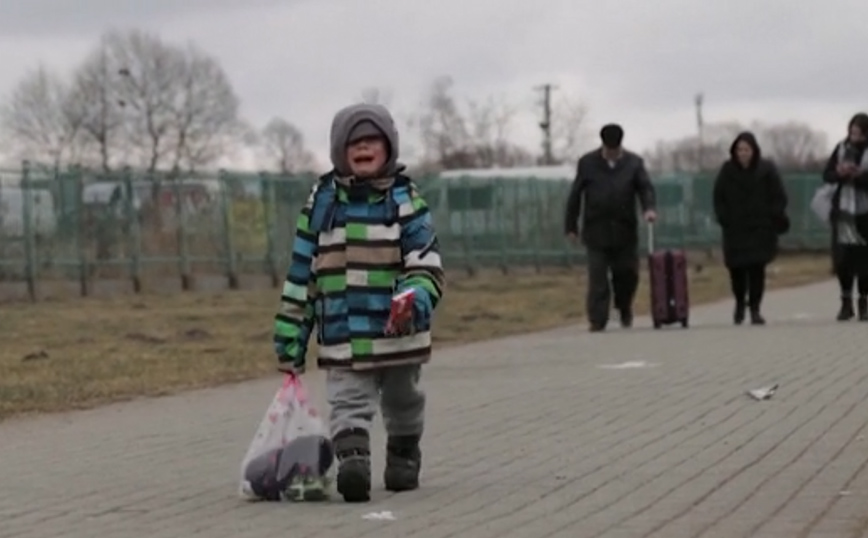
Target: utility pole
pixel 546 123
pixel 700 131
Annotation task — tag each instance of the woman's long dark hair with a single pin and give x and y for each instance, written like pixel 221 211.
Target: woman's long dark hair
pixel 750 139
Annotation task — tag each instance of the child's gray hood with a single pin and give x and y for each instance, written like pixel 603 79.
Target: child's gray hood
pixel 349 117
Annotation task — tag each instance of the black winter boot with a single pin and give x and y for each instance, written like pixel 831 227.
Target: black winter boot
pixel 846 313
pixel 626 317
pixel 862 307
pixel 738 315
pixel 403 463
pixel 756 317
pixel 353 451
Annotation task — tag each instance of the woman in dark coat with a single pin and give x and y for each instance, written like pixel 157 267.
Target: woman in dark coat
pixel 750 205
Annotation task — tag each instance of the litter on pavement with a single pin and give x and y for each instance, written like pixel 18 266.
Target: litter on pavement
pixel 626 365
pixel 385 515
pixel 763 393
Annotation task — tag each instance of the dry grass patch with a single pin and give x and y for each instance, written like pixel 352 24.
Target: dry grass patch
pixel 69 354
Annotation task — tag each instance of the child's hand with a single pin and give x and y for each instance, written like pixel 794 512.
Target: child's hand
pixel 401 314
pixel 401 329
pixel 291 367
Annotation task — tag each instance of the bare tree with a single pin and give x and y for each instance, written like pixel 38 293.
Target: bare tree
pixel 93 98
pixel 569 133
pixel 284 145
pixel 377 96
pixel 488 124
pixel 206 112
pixel 149 80
pixel 691 154
pixel 473 136
pixel 793 145
pixel 684 155
pixel 39 120
pixel 441 127
pixel 658 158
pixel 168 106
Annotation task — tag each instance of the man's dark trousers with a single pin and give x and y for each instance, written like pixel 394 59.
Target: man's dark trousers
pixel 623 266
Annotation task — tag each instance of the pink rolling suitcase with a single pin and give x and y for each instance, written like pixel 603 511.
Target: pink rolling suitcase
pixel 667 272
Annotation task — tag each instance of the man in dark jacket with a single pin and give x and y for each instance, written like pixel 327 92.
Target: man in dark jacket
pixel 608 182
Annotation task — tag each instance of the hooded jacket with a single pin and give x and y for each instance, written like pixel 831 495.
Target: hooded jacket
pixel 348 118
pixel 357 243
pixel 750 205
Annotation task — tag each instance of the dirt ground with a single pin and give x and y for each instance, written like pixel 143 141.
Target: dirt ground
pixel 77 353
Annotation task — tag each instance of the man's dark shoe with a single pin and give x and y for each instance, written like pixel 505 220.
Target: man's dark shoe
pixel 627 318
pixel 846 312
pixel 403 463
pixel 353 452
pixel 596 328
pixel 756 318
pixel 862 307
pixel 739 314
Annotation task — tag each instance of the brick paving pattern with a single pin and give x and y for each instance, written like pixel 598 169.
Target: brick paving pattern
pixel 527 437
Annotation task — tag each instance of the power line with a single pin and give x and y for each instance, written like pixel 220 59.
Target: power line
pixel 546 123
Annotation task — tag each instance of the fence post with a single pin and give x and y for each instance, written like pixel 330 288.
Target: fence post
pixel 183 249
pixel 267 198
pixel 465 232
pixel 709 244
pixel 500 216
pixel 78 231
pixel 27 231
pixel 228 236
pixel 566 246
pixel 536 231
pixel 134 231
pixel 517 206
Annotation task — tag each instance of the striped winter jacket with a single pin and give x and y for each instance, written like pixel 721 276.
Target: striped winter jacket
pixel 351 254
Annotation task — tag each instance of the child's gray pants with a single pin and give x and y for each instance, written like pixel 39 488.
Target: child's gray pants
pixel 354 396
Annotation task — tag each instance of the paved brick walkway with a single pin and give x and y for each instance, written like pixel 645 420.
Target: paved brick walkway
pixel 528 437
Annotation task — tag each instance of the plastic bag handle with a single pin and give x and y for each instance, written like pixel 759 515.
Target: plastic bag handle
pixel 289 380
pixel 293 381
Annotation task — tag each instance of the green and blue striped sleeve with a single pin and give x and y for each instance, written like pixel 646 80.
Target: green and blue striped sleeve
pixel 423 268
pixel 294 322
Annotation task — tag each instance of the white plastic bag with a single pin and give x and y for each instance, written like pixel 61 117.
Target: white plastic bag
pixel 290 454
pixel 821 203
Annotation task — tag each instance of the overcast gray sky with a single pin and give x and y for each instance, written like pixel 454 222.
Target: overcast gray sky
pixel 638 62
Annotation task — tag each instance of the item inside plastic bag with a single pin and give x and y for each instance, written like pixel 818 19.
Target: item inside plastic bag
pixel 291 454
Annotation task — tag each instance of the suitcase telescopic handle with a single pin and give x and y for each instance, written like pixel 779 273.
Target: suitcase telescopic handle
pixel 650 238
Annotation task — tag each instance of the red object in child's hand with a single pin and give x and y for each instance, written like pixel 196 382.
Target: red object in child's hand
pixel 401 313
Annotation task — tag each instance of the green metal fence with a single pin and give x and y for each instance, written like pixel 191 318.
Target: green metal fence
pixel 80 226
